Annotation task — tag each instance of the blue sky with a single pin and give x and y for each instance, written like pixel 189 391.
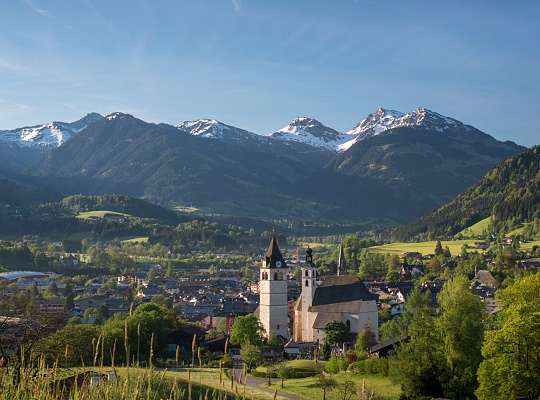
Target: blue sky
pixel 257 64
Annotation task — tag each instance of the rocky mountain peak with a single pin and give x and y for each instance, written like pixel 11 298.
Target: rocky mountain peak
pixel 204 127
pixel 47 136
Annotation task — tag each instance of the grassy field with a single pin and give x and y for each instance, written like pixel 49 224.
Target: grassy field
pixel 423 247
pixel 142 239
pixel 307 387
pixel 99 214
pixel 210 377
pixel 185 209
pixel 429 247
pixel 477 229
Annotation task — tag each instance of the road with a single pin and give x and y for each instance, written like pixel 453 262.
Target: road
pixel 257 383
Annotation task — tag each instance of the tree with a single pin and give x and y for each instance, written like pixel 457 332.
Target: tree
pixel 366 339
pixel 438 249
pixel 442 352
pixel 155 320
pixel 273 340
pixel 511 357
pixel 247 329
pixel 251 354
pixel 459 323
pixel 326 382
pixel 347 389
pixel 52 290
pixel 103 313
pixel 72 345
pixel 222 325
pixel 283 372
pixel 336 332
pixel 388 330
pixel 417 365
pixel 326 351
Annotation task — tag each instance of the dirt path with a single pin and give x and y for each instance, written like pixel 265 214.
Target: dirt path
pixel 257 383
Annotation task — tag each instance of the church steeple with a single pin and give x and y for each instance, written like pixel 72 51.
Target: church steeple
pixel 273 257
pixel 342 264
pixel 273 305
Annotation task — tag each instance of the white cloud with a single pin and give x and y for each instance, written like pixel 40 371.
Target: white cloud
pixel 40 11
pixel 237 5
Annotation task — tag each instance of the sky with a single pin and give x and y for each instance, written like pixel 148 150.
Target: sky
pixel 258 64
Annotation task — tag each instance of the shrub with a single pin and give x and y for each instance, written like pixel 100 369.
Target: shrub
pixel 371 366
pixel 336 364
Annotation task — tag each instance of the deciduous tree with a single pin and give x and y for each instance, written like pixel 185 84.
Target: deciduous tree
pixel 247 329
pixel 336 332
pixel 510 368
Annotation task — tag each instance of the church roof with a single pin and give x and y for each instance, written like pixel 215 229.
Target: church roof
pixel 273 255
pixel 324 318
pixel 340 294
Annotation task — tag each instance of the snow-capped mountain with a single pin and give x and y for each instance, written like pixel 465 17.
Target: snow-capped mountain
pixel 47 136
pixel 312 132
pixel 210 128
pixel 383 120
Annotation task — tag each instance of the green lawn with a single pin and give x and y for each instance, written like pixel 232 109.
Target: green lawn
pixel 99 214
pixel 142 239
pixel 477 229
pixel 423 247
pixel 307 387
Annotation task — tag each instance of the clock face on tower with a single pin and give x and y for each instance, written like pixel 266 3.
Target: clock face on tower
pixel 278 264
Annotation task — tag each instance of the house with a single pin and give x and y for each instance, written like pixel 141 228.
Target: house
pixel 69 259
pixel 147 292
pixel 183 338
pixel 114 305
pixel 54 306
pixel 385 348
pixel 485 278
pixel 41 284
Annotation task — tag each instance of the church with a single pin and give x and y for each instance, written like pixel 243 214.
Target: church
pixel 338 297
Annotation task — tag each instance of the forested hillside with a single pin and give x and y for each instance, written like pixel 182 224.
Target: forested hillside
pixel 118 203
pixel 13 193
pixel 508 193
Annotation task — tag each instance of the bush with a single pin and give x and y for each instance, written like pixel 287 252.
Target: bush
pixel 371 366
pixel 336 364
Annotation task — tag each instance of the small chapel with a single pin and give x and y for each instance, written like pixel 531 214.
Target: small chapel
pixel 339 297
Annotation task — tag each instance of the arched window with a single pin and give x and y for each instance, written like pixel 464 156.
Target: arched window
pixel 348 324
pixel 307 272
pixel 275 276
pixel 307 283
pixel 280 276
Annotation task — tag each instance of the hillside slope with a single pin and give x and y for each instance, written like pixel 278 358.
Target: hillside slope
pixel 508 191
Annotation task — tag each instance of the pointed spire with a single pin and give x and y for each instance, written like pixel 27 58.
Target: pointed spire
pixel 342 264
pixel 273 257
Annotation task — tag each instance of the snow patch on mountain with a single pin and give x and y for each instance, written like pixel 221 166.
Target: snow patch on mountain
pixel 312 132
pixel 205 128
pixel 383 120
pixel 47 136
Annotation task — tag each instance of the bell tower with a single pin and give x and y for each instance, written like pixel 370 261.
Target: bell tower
pixel 273 306
pixel 309 285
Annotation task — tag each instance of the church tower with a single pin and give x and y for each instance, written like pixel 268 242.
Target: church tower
pixel 273 304
pixel 342 265
pixel 309 285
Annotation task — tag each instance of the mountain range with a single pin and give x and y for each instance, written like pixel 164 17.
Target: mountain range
pixel 391 166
